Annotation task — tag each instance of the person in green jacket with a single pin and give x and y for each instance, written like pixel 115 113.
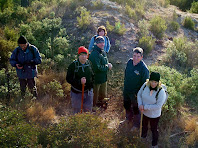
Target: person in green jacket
pixel 100 64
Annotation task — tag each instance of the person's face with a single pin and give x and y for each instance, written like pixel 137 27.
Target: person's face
pixel 154 84
pixel 101 33
pixel 23 46
pixel 83 58
pixel 136 58
pixel 101 45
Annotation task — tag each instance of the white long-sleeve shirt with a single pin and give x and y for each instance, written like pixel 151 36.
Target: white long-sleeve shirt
pixel 152 105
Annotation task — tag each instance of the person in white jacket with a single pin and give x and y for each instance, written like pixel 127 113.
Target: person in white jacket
pixel 150 101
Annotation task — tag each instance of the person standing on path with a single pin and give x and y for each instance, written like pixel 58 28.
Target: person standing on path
pixel 136 73
pixel 151 98
pixel 80 73
pixel 25 58
pixel 100 32
pixel 100 64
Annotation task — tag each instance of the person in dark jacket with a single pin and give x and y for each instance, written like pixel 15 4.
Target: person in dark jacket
pixel 25 58
pixel 80 72
pixel 101 66
pixel 136 73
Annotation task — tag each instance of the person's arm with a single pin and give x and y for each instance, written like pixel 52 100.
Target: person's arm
pixel 70 76
pixel 97 66
pixel 160 101
pixel 139 94
pixel 13 58
pixel 37 59
pixel 91 44
pixel 108 44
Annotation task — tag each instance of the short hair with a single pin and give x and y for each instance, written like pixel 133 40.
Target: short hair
pixel 100 28
pixel 138 50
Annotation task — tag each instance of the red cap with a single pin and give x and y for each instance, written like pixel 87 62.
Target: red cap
pixel 82 49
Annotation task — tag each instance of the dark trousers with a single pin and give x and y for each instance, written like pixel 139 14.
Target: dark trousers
pixel 31 85
pixel 154 128
pixel 131 107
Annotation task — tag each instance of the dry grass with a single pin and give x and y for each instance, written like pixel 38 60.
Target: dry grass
pixel 38 113
pixel 192 127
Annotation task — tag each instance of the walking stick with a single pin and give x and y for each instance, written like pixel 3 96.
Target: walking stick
pixel 141 124
pixel 83 86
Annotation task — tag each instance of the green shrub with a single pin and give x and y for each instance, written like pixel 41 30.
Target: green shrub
pixel 188 23
pixel 194 7
pixel 189 88
pixel 182 4
pixel 174 26
pixel 139 10
pixel 147 44
pixel 60 46
pixel 182 54
pixel 97 4
pixel 109 27
pixel 15 131
pixel 84 20
pixel 143 26
pixel 172 79
pixel 81 130
pixel 158 26
pixel 119 28
pixel 54 89
pixel 130 12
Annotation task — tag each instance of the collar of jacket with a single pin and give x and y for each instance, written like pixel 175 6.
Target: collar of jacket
pixel 97 49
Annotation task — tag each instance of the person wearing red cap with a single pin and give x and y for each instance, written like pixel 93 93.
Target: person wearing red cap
pixel 80 72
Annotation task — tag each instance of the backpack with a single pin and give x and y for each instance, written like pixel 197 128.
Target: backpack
pixel 162 87
pixel 77 66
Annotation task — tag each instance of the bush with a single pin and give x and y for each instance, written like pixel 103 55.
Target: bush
pixel 172 79
pixel 182 4
pixel 174 26
pixel 143 26
pixel 182 54
pixel 119 28
pixel 158 26
pixel 147 44
pixel 84 20
pixel 15 132
pixel 194 7
pixel 189 88
pixel 81 130
pixel 109 27
pixel 54 89
pixel 130 12
pixel 188 23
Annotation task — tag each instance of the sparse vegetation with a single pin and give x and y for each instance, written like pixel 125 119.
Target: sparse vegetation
pixel 188 23
pixel 158 26
pixel 85 19
pixel 147 43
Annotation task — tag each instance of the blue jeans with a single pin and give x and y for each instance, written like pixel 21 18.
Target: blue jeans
pixel 87 101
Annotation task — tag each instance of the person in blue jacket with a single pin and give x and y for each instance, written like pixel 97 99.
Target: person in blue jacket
pixel 136 73
pixel 100 32
pixel 25 58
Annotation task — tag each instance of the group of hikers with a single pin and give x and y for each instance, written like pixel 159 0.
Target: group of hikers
pixel 143 94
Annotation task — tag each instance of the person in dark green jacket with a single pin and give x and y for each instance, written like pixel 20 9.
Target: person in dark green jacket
pixel 101 66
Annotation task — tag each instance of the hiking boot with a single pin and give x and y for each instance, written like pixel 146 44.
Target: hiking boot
pixel 156 146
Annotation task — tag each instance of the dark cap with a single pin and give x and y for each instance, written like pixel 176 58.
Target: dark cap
pixel 155 76
pixel 99 39
pixel 22 40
